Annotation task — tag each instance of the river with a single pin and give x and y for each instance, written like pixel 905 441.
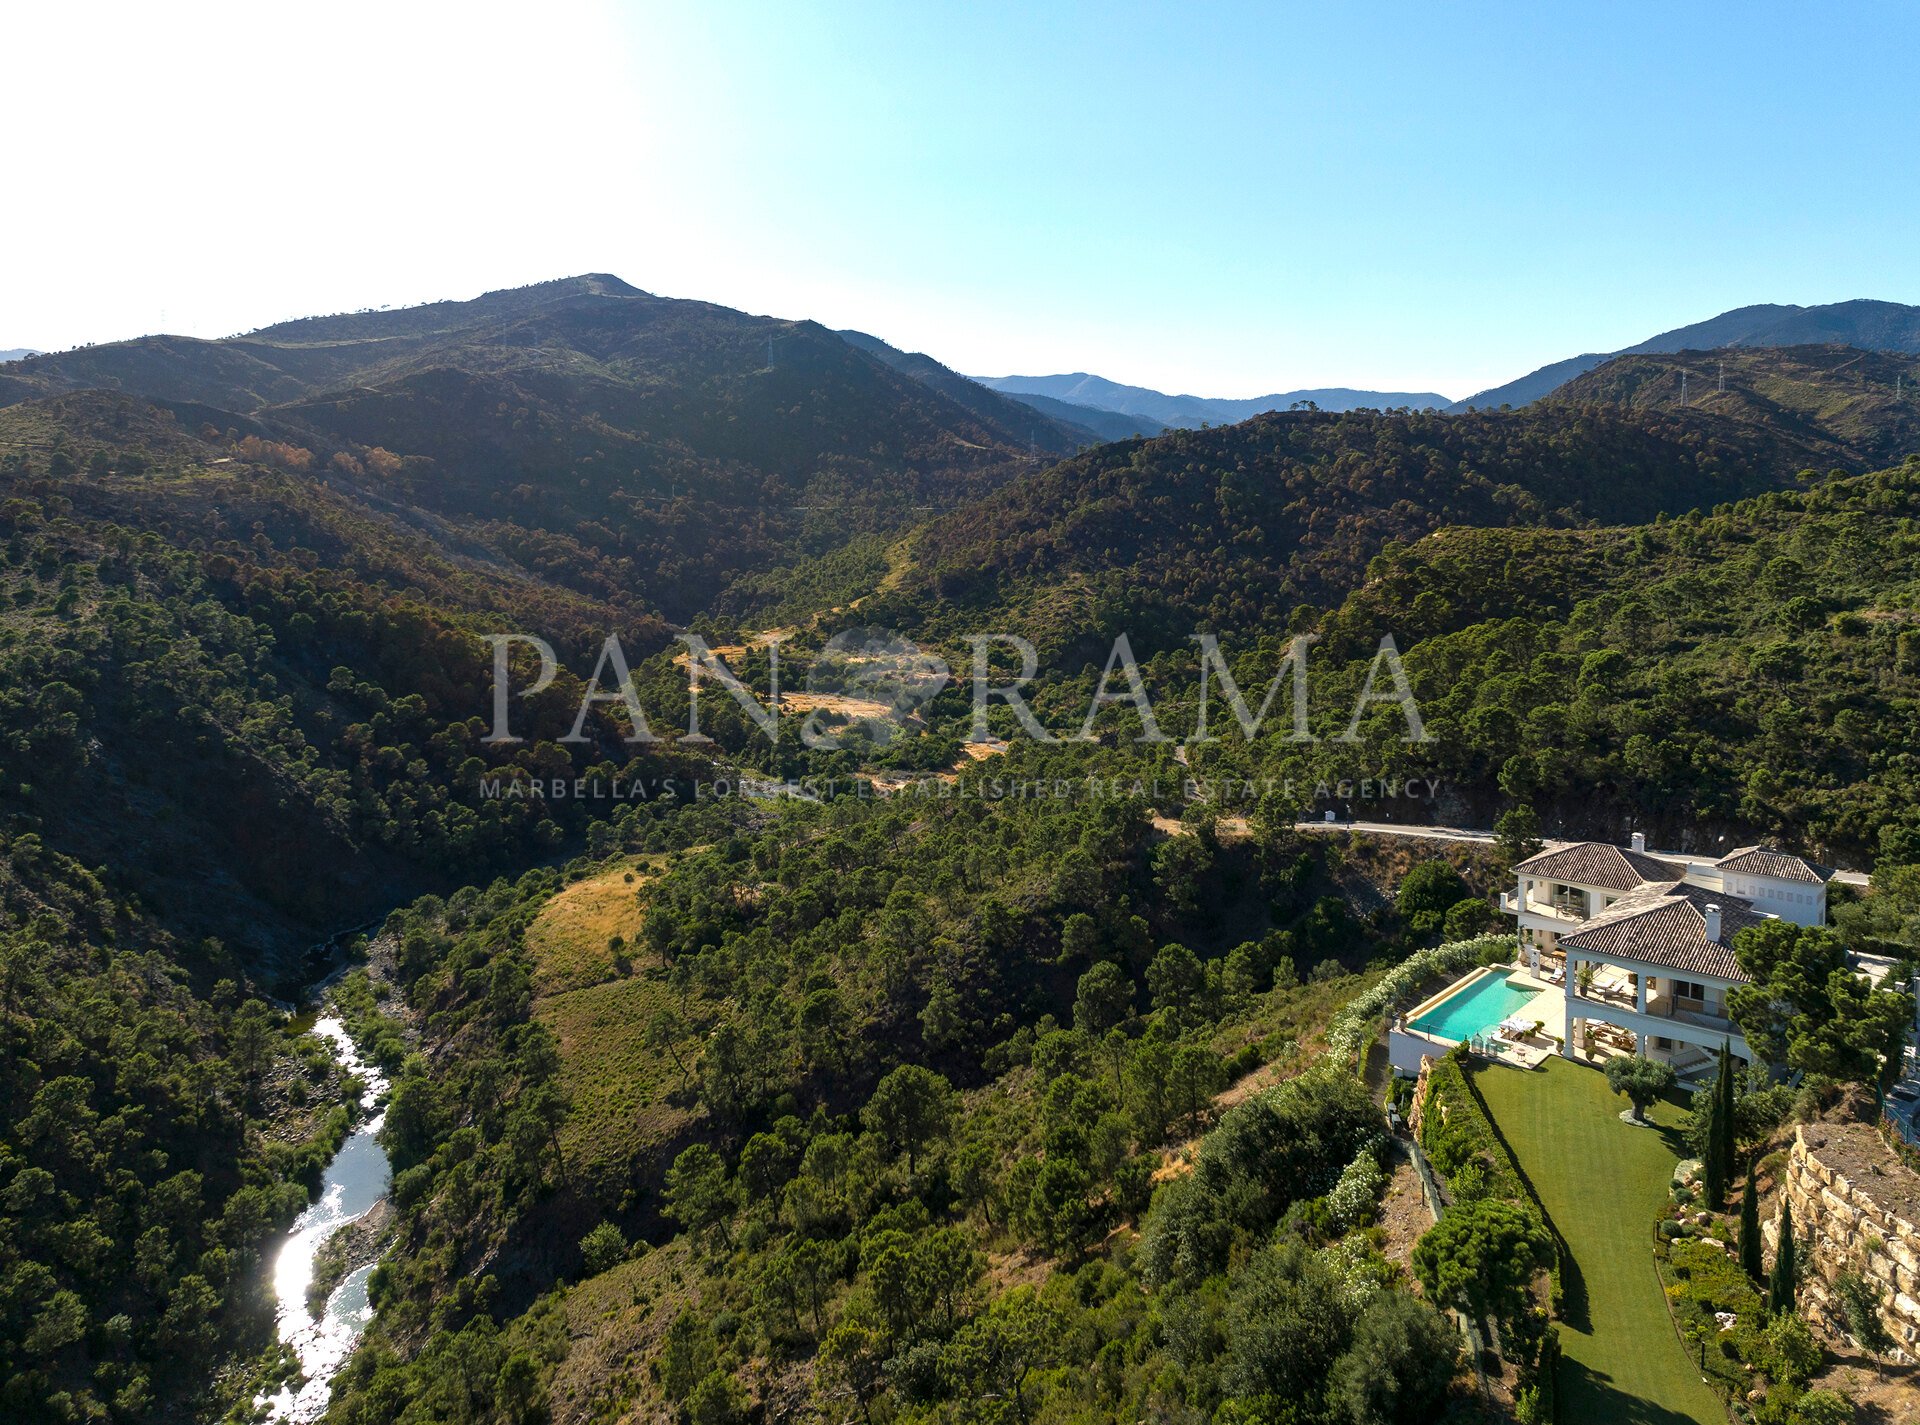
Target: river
pixel 355 1180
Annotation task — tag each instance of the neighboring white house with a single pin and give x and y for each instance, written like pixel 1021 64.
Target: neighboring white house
pixel 1657 932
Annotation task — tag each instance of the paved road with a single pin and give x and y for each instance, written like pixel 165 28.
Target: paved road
pixel 1391 828
pixel 1485 838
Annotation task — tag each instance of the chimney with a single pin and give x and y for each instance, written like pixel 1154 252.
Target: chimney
pixel 1640 842
pixel 1713 922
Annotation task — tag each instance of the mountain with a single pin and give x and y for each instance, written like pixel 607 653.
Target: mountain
pixel 242 708
pixel 1740 674
pixel 669 446
pixel 1011 416
pixel 1236 526
pixel 248 689
pixel 1188 412
pixel 715 1107
pixel 1853 408
pixel 14 353
pixel 1108 425
pixel 1870 325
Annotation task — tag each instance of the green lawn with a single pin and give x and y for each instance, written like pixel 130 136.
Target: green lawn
pixel 1603 1183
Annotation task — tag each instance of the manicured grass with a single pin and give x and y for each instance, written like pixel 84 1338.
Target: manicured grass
pixel 1603 1183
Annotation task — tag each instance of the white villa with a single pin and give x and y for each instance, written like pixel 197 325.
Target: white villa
pixel 1642 945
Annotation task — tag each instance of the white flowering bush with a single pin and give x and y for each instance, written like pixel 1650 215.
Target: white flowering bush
pixel 1357 1194
pixel 1359 1271
pixel 1355 1026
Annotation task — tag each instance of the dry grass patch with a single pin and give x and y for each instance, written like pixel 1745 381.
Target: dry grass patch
pixel 570 940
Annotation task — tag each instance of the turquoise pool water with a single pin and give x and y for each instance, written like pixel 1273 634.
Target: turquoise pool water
pixel 1476 1009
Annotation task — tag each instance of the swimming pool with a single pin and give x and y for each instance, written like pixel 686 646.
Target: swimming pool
pixel 1475 1007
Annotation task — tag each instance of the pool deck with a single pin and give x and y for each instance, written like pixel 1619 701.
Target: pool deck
pixel 1406 1046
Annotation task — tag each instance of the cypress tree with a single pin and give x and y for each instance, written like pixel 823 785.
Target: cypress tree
pixel 1780 1288
pixel 1750 1258
pixel 1729 1113
pixel 1715 1169
pixel 1547 1377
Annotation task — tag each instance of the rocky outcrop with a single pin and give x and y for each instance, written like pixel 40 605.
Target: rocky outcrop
pixel 1854 1210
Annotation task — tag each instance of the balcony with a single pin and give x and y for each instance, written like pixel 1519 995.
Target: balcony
pixel 1560 913
pixel 1688 1011
pixel 1610 1005
pixel 1617 990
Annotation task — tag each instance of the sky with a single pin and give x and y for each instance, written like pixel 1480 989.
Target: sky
pixel 1224 200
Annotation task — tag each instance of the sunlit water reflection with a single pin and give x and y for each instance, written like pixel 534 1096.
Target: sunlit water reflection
pixel 355 1180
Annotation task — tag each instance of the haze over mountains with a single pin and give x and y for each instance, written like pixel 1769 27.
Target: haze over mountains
pixel 1869 325
pixel 1082 389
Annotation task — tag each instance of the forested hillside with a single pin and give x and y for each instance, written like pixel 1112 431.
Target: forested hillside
pixel 965 1101
pixel 898 1104
pixel 584 422
pixel 1740 672
pixel 238 710
pixel 1853 408
pixel 254 699
pixel 1240 527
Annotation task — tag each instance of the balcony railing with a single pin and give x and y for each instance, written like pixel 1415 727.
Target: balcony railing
pixel 1658 1006
pixel 1565 913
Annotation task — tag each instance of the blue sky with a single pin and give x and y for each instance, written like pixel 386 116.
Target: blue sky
pixel 1227 199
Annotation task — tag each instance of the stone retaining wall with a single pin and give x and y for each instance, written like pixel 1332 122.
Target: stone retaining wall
pixel 1843 1228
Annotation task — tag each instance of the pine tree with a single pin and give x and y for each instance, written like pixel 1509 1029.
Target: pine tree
pixel 1750 1231
pixel 1780 1288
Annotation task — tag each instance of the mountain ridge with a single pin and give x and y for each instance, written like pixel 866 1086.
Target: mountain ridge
pixel 1186 411
pixel 682 443
pixel 1847 406
pixel 1867 323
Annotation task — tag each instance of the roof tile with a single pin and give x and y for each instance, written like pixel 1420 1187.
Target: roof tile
pixel 1666 925
pixel 1595 863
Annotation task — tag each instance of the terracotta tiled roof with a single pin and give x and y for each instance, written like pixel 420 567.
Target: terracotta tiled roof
pixel 1595 863
pixel 1666 925
pixel 1781 865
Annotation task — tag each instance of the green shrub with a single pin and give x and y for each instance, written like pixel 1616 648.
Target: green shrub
pixel 1823 1407
pixel 1796 1355
pixel 603 1249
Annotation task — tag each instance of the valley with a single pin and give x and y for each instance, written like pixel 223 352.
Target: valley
pixel 933 1091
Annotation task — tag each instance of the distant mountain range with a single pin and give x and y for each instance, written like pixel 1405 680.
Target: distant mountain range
pixel 1077 397
pixel 1079 388
pixel 14 353
pixel 1091 425
pixel 1869 325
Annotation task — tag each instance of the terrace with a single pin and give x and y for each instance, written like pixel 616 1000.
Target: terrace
pixel 1562 908
pixel 1493 1010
